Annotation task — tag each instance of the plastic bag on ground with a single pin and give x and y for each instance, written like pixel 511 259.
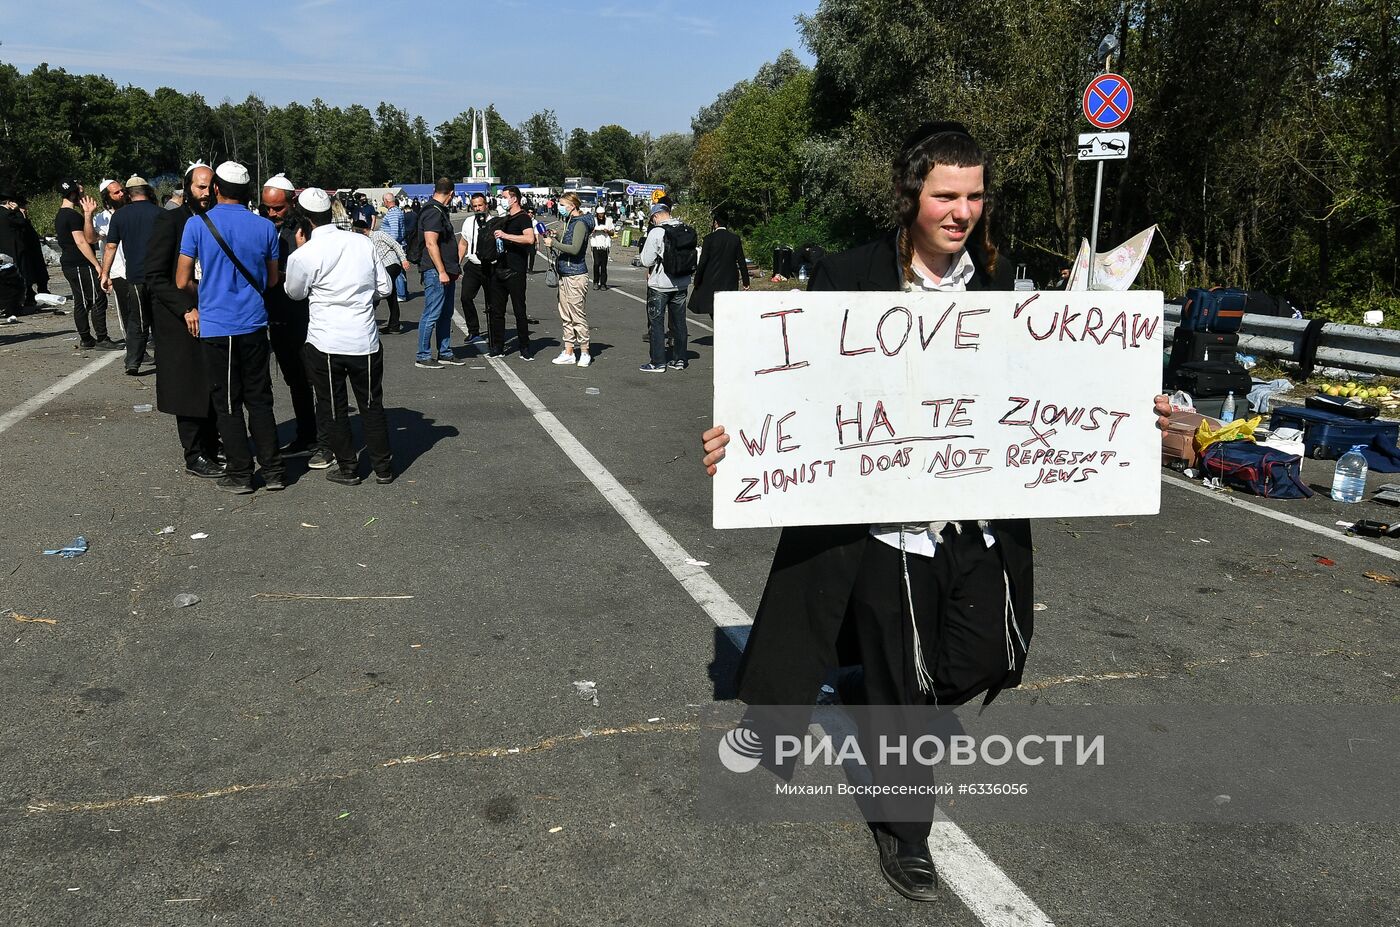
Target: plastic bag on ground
pixel 1238 430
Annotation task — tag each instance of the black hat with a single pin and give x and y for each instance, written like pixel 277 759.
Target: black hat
pixel 69 188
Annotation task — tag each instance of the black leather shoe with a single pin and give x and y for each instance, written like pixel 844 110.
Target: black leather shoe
pixel 336 475
pixel 274 483
pixel 907 866
pixel 234 485
pixel 384 479
pixel 204 468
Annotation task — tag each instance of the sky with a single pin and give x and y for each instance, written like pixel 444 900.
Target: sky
pixel 658 61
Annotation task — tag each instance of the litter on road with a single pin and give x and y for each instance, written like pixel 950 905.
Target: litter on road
pixel 27 620
pixel 198 536
pixel 186 599
pixel 76 549
pixel 587 690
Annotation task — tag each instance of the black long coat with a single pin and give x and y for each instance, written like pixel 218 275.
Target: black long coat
pixel 182 386
pixel 721 263
pixel 796 636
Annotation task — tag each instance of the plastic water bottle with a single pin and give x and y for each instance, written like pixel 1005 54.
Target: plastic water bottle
pixel 1227 411
pixel 1349 479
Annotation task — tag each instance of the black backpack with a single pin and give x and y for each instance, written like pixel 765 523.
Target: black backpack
pixel 413 249
pixel 486 250
pixel 681 256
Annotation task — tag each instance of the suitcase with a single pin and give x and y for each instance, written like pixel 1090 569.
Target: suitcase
pixel 1190 347
pixel 1327 435
pixel 1209 379
pixel 1347 407
pixel 1218 310
pixel 1179 439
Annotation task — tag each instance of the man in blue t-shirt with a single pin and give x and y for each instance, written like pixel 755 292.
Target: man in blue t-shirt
pixel 235 252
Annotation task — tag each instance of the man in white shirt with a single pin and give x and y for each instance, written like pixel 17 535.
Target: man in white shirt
pixel 339 274
pixel 476 261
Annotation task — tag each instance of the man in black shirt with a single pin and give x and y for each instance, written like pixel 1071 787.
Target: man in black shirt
pixel 516 234
pixel 76 237
pixel 287 322
pixel 130 230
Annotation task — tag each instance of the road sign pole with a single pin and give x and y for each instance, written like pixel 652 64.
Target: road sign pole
pixel 1098 195
pixel 1094 229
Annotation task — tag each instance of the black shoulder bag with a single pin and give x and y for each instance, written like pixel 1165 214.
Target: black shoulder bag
pixel 213 230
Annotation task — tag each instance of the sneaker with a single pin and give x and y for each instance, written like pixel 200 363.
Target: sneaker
pixel 107 344
pixel 678 364
pixel 383 479
pixel 320 460
pixel 584 359
pixel 234 485
pixel 133 371
pixel 494 353
pixel 296 449
pixel 343 477
pixel 652 368
pixel 527 355
pixel 84 344
pixel 428 365
pixel 451 361
pixel 274 483
pixel 565 357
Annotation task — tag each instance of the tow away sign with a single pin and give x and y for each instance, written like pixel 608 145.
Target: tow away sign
pixel 1103 146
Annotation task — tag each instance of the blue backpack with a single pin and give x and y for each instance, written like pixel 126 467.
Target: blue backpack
pixel 1264 471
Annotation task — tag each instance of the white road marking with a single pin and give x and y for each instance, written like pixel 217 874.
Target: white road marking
pixel 689 319
pixel 981 884
pixel 19 412
pixel 1294 520
pixel 707 593
pixel 983 887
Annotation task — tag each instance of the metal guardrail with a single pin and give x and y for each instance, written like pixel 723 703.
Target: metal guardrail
pixel 1348 347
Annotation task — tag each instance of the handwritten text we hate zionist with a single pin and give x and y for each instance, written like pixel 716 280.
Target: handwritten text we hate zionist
pixel 884 397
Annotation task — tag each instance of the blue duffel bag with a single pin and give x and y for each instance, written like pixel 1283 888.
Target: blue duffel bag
pixel 1264 471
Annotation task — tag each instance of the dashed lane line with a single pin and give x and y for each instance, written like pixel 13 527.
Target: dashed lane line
pixel 19 412
pixel 982 885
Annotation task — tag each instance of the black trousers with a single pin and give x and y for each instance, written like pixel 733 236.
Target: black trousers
pixel 199 436
pixel 395 272
pixel 89 302
pixel 365 374
pixel 959 599
pixel 288 338
pixel 498 290
pixel 240 378
pixel 134 307
pixel 474 279
pixel 600 266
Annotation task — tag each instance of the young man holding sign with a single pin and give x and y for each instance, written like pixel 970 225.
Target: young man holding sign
pixel 936 613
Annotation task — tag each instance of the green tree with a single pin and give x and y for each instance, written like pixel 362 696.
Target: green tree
pixel 543 148
pixel 670 163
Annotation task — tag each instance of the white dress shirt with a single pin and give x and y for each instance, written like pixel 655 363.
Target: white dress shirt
pixel 338 273
pixel 922 538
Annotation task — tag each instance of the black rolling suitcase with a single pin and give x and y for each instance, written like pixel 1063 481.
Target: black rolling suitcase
pixel 1213 379
pixel 1193 347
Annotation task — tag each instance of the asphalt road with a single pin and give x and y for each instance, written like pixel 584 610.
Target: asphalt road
pixel 257 759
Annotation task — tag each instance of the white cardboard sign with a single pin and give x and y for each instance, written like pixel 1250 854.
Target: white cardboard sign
pixel 850 408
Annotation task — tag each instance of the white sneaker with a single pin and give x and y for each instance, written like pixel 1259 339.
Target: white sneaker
pixel 565 357
pixel 585 359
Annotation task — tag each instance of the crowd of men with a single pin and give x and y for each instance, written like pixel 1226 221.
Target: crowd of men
pixel 223 290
